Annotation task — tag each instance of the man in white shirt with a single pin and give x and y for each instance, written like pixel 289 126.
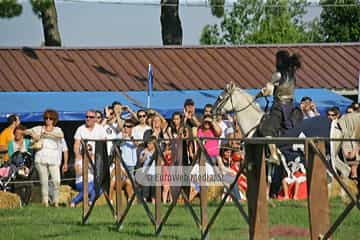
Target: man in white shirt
pixel 128 148
pixel 89 130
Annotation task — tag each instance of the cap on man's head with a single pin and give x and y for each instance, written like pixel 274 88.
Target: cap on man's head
pixel 189 101
pixel 306 98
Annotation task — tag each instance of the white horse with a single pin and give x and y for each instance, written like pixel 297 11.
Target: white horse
pixel 247 111
pixel 249 115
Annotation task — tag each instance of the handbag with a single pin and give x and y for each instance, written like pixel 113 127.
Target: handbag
pixel 36 145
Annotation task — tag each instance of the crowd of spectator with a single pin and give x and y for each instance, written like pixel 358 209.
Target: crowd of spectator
pixel 137 134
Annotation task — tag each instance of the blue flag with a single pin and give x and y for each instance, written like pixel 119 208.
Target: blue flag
pixel 150 80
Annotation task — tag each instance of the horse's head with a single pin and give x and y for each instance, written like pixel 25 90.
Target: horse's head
pixel 224 103
pixel 234 99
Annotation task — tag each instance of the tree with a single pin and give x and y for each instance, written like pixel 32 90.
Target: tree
pixel 255 22
pixel 44 9
pixel 10 8
pixel 171 29
pixel 340 20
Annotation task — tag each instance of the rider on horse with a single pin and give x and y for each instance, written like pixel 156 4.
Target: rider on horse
pixel 281 86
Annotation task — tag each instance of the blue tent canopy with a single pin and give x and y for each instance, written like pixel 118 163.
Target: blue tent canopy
pixel 73 105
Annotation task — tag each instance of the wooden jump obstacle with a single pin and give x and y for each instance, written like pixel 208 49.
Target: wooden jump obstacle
pixel 257 216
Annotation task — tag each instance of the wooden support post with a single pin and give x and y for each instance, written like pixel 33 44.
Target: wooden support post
pixel 203 194
pixel 257 193
pixel 318 203
pixel 119 196
pixel 157 189
pixel 85 172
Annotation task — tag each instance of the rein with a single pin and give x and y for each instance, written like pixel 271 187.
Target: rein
pixel 243 108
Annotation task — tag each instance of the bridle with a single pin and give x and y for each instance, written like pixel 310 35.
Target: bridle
pixel 225 99
pixel 222 100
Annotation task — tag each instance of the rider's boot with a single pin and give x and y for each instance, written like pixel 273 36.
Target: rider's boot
pixel 274 155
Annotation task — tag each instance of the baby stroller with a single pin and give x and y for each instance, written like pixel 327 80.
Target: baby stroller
pixel 19 168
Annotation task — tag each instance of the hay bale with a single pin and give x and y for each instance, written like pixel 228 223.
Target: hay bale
pixel 335 189
pixel 66 194
pixel 9 200
pixel 215 193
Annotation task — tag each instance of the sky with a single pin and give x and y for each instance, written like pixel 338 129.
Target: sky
pixel 101 23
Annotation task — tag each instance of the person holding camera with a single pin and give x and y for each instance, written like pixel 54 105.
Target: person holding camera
pixel 210 129
pixel 190 119
pixel 112 127
pixel 308 107
pixel 121 113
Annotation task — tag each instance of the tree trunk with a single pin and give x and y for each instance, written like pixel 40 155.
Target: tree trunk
pixel 217 8
pixel 171 29
pixel 50 26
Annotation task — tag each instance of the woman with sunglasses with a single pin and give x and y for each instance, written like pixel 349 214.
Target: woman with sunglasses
pixel 48 157
pixel 139 130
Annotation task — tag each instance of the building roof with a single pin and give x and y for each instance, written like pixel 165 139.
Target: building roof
pixel 331 66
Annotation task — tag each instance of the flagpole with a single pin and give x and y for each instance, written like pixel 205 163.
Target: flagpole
pixel 150 86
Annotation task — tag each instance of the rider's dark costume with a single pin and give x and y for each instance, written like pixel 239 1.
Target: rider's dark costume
pixel 282 88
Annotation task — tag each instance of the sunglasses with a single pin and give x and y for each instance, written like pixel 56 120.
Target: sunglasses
pixel 48 118
pixel 91 117
pixel 142 116
pixel 331 114
pixel 128 126
pixel 98 117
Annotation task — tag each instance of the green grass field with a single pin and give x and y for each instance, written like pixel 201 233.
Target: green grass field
pixel 36 222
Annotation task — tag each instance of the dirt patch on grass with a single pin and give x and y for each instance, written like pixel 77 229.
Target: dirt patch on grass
pixel 289 231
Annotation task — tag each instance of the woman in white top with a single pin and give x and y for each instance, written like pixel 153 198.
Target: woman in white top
pixel 48 157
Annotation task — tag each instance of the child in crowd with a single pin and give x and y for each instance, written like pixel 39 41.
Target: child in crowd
pixel 294 185
pixel 146 157
pixel 238 160
pixel 165 172
pixel 79 185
